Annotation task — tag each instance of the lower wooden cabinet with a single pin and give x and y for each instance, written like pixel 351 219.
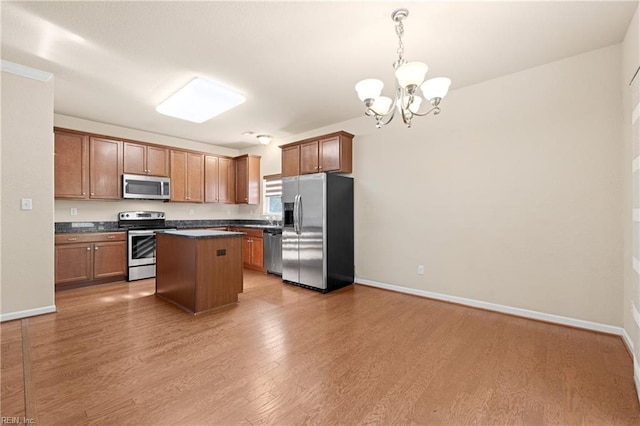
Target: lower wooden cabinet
pixel 252 248
pixel 90 258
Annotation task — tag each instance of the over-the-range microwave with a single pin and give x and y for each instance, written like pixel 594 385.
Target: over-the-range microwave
pixel 146 187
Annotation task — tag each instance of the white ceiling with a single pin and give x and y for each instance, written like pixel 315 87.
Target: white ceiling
pixel 296 62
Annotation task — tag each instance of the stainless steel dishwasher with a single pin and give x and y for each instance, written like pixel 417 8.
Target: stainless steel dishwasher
pixel 273 251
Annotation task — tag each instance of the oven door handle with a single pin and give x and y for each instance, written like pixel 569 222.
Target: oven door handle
pixel 140 232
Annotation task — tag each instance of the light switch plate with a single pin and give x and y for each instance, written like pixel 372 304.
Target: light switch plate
pixel 26 204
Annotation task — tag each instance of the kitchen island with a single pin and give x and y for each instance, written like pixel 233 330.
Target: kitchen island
pixel 199 270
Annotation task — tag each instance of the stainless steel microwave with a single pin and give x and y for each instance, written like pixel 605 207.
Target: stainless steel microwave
pixel 146 187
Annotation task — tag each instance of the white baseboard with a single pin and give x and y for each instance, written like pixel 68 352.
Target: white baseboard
pixel 627 341
pixel 525 313
pixel 27 313
pixel 636 375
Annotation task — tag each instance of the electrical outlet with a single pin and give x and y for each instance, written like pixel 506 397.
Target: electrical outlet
pixel 26 204
pixel 420 269
pixel 73 211
pixel 191 212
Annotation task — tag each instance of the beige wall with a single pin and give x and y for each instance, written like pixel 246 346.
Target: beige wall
pixel 512 196
pixel 27 172
pixel 631 188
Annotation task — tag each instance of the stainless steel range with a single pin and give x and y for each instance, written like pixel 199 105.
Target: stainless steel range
pixel 141 241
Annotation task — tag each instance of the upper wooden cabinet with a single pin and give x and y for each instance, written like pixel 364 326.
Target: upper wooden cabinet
pixel 219 179
pixel 105 168
pixel 90 166
pixel 87 167
pixel 328 153
pixel 145 159
pixel 187 176
pixel 71 165
pixel 291 160
pixel 309 157
pixel 247 179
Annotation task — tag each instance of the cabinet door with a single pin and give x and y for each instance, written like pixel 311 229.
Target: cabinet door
pixel 254 183
pixel 178 176
pixel 105 168
pixel 109 259
pixel 246 251
pixel 257 252
pixel 71 164
pixel 211 179
pixel 73 263
pixel 157 161
pixel 134 158
pixel 242 176
pixel 291 161
pixel 309 157
pixel 226 180
pixel 248 179
pixel 195 178
pixel 329 154
pixel 336 154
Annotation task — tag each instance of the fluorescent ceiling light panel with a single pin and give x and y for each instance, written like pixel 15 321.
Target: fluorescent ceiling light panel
pixel 25 71
pixel 200 100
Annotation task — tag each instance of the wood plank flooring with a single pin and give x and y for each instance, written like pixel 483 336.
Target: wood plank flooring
pixel 115 354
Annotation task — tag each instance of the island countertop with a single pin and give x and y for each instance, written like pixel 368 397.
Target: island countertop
pixel 201 233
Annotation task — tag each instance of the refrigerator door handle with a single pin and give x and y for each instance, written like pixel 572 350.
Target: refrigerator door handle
pixel 300 214
pixel 296 206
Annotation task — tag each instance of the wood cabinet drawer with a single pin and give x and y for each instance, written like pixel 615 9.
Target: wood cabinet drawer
pixel 91 237
pixel 251 232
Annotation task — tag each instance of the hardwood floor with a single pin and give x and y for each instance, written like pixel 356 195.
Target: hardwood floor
pixel 116 354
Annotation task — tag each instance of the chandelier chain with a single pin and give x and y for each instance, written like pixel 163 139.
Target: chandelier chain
pixel 400 33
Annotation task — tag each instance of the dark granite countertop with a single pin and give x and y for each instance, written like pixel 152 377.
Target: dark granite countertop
pixel 243 223
pixel 73 227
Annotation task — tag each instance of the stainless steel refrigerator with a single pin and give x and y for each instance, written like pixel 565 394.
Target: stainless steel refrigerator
pixel 317 233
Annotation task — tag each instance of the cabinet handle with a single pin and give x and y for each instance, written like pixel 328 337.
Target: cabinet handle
pixel 84 193
pixel 71 239
pixel 96 248
pixel 93 193
pixel 88 248
pixel 111 237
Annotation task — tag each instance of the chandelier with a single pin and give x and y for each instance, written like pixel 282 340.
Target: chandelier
pixel 409 76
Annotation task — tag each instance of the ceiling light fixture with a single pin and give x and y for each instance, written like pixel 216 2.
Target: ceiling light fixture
pixel 409 76
pixel 200 100
pixel 264 139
